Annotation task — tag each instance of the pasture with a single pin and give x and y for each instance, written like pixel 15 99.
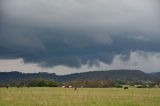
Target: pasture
pixel 81 97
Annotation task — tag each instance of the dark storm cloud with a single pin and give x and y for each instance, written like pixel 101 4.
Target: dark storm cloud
pixel 52 47
pixel 77 32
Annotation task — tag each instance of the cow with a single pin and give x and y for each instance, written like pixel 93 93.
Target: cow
pixel 75 88
pixel 125 87
pixel 63 86
pixel 70 87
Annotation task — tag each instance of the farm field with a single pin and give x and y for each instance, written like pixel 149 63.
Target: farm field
pixel 81 97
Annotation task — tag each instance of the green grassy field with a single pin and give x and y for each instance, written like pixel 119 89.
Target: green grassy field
pixel 81 97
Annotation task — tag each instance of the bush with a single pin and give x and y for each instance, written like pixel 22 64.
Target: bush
pixel 42 83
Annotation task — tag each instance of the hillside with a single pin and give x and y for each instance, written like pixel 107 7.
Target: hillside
pixel 131 75
pixel 157 74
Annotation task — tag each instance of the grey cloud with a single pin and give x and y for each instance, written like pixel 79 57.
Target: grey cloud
pixel 77 32
pixel 19 40
pixel 98 13
pixel 140 38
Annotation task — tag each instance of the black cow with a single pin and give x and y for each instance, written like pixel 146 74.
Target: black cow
pixel 125 87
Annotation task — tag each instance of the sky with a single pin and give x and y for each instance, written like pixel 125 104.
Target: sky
pixel 73 36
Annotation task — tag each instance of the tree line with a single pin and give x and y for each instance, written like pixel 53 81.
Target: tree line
pixel 91 83
pixel 37 82
pixel 96 83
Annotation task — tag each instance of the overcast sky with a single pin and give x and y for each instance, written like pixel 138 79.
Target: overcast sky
pixel 70 36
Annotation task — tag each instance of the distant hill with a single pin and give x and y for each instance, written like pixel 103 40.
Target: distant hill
pixel 18 76
pixel 156 74
pixel 131 75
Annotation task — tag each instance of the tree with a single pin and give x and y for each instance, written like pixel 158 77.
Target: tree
pixel 42 83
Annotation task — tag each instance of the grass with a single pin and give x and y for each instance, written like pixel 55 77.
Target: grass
pixel 81 97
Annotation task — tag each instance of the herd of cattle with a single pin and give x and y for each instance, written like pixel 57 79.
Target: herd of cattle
pixel 76 87
pixel 71 87
pixel 67 86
